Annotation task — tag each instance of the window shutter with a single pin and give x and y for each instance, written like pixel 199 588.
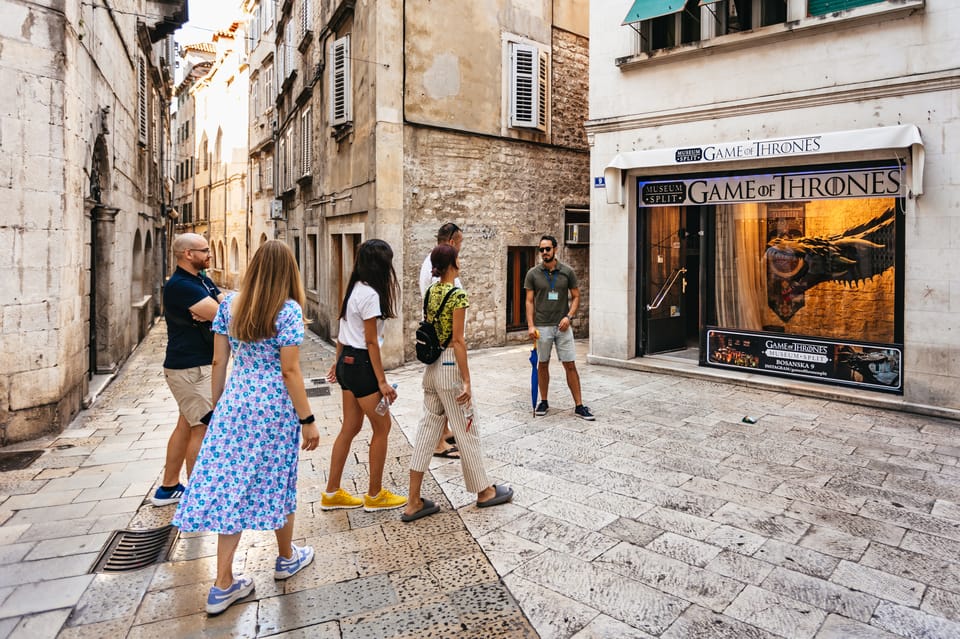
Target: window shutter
pixel 524 85
pixel 823 7
pixel 289 48
pixel 305 21
pixel 542 87
pixel 141 101
pixel 340 98
pixel 155 129
pixel 280 58
pixel 306 142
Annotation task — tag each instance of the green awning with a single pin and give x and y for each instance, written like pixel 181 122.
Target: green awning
pixel 648 9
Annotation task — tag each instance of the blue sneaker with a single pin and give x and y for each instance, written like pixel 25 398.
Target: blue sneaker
pixel 287 568
pixel 166 496
pixel 542 409
pixel 219 600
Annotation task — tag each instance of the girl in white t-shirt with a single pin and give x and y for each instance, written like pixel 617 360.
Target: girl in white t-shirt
pixel 371 297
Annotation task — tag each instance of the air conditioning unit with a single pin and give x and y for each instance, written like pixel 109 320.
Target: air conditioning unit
pixel 276 210
pixel 577 233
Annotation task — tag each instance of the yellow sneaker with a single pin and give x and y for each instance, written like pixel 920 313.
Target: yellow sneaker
pixel 385 500
pixel 339 499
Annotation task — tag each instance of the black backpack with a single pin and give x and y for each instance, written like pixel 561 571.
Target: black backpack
pixel 428 343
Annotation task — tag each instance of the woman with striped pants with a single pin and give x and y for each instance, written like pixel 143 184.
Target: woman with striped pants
pixel 447 396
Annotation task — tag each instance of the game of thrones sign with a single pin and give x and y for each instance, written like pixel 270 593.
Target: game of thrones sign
pixel 872 366
pixel 776 187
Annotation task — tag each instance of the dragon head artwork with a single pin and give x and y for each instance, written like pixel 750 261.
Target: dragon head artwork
pixel 795 265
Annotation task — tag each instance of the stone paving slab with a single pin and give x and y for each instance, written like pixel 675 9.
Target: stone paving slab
pixel 666 517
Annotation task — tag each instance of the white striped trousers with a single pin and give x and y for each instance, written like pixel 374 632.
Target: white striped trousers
pixel 441 385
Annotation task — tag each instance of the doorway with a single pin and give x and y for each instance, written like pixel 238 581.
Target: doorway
pixel 670 278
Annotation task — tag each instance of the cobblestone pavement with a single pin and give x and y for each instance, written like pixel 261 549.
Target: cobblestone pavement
pixel 666 517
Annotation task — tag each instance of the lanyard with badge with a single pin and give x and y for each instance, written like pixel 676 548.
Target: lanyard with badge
pixel 552 294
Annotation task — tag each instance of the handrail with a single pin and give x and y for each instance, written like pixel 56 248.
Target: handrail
pixel 658 300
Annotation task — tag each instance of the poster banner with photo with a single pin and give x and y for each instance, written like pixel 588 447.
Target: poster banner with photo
pixel 871 366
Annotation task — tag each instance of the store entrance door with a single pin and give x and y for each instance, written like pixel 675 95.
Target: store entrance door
pixel 671 273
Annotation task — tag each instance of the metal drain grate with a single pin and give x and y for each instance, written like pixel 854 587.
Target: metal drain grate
pixel 18 460
pixel 320 387
pixel 134 549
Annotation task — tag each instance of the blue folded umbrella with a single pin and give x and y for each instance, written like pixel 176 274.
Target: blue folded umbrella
pixel 534 383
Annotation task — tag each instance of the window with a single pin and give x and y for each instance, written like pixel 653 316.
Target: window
pixel 306 19
pixel 520 259
pixel 678 28
pixel 289 48
pixel 268 96
pixel 742 15
pixel 576 225
pixel 306 142
pixel 528 86
pixel 268 172
pixel 310 272
pixel 289 156
pixel 255 25
pixel 282 158
pixel 255 98
pixel 142 101
pixel 268 12
pixel 205 153
pixel 255 179
pixel 341 107
pixel 280 59
pixel 823 7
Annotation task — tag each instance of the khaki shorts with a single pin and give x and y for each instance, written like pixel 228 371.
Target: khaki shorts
pixel 191 389
pixel 551 336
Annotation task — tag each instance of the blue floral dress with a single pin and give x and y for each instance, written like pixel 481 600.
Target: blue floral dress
pixel 245 477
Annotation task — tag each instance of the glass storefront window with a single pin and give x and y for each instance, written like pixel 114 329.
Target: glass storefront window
pixel 822 268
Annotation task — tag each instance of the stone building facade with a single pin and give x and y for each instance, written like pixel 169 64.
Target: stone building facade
pixel 786 202
pixel 196 60
pixel 262 124
pixel 85 138
pixel 220 102
pixel 395 117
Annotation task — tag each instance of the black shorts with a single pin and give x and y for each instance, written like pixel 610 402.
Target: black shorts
pixel 355 372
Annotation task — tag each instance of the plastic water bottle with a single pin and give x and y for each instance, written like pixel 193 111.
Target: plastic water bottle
pixel 468 414
pixel 384 404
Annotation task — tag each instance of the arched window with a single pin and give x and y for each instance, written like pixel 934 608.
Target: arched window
pixel 234 256
pixel 136 270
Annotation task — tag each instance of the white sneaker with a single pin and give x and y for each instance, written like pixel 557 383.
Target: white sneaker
pixel 219 600
pixel 286 568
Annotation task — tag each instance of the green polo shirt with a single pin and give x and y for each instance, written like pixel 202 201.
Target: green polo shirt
pixel 547 312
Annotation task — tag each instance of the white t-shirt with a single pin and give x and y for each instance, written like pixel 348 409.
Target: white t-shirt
pixel 427 278
pixel 363 304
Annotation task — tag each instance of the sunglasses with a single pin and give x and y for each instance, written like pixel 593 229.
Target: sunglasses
pixel 545 249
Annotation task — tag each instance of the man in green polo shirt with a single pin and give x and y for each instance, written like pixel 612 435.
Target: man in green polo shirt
pixel 552 301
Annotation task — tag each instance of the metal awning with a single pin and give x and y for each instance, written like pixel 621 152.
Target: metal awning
pixel 703 2
pixel 648 9
pixel 710 154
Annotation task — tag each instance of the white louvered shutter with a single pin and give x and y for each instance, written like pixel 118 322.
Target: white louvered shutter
pixel 340 98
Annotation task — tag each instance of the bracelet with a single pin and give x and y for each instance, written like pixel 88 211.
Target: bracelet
pixel 569 318
pixel 308 420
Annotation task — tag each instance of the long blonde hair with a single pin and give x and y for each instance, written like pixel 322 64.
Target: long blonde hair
pixel 271 279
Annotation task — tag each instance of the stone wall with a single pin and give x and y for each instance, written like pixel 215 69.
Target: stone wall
pixel 72 86
pixel 503 194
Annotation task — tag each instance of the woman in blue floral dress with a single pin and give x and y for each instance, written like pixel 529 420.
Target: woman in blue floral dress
pixel 245 477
